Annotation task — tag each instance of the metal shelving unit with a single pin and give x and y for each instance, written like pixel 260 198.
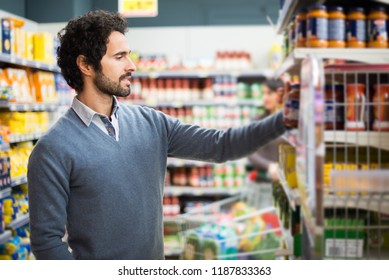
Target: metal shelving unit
pixel 18 181
pixel 190 191
pixel 293 61
pixel 325 206
pixel 19 222
pixel 35 107
pixel 5 193
pixel 23 137
pixel 14 60
pixel 5 236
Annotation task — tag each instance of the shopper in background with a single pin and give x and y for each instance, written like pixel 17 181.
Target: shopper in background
pixel 99 171
pixel 265 159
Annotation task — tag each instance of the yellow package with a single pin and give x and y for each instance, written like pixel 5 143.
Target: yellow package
pixel 29 48
pixel 45 87
pixel 43 47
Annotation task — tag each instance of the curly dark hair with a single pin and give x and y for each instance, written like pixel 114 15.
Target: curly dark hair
pixel 86 35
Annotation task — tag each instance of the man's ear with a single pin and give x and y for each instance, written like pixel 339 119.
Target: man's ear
pixel 84 66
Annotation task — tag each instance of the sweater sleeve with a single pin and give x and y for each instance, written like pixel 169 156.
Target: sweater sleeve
pixel 193 142
pixel 48 187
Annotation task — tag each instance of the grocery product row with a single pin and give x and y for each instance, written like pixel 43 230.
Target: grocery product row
pixel 222 60
pixel 214 116
pixel 25 86
pixel 14 164
pixel 17 41
pixel 350 26
pixel 352 102
pixel 223 87
pixel 228 175
pixel 14 219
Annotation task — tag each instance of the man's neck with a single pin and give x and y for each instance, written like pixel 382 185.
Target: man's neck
pixel 99 102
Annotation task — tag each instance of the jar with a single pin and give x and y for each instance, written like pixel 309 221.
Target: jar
pixel 355 107
pixel 336 27
pixel 376 28
pixel 292 105
pixel 301 29
pixel 381 107
pixel 333 108
pixel 356 28
pixel 317 27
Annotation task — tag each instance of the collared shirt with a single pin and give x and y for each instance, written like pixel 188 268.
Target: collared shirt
pixel 88 115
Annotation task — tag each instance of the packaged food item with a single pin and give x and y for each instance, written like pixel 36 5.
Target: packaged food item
pixel 336 27
pixel 45 87
pixel 377 28
pixel 356 28
pixel 334 110
pixel 317 27
pixel 43 47
pixel 381 107
pixel 292 106
pixel 301 29
pixel 6 35
pixel 20 85
pixel 355 107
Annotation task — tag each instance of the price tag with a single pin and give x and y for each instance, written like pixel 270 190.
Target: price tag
pixel 138 8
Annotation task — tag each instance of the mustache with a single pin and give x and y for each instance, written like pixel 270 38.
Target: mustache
pixel 125 76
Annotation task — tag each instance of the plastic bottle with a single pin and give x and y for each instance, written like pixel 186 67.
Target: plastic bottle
pixel 317 27
pixel 376 28
pixel 336 27
pixel 355 107
pixel 356 28
pixel 381 107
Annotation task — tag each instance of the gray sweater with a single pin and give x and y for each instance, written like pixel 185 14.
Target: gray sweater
pixel 109 193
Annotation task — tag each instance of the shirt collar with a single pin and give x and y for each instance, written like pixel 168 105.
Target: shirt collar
pixel 86 114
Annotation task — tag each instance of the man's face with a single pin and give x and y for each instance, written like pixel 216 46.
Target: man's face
pixel 116 67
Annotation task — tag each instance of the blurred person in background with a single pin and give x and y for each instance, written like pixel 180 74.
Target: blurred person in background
pixel 265 159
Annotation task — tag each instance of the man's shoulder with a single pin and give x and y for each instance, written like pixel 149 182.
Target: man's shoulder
pixel 62 127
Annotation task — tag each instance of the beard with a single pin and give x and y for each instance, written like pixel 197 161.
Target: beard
pixel 109 87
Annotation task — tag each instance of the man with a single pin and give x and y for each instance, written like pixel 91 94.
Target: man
pixel 99 171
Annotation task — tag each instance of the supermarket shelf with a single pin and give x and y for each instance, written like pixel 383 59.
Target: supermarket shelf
pixel 213 102
pixel 253 73
pixel 173 253
pixel 5 193
pixel 22 137
pixel 5 236
pixel 19 222
pixel 179 191
pixel 371 202
pixel 18 181
pixel 292 62
pixel 291 194
pixel 290 9
pixel 11 106
pixel 361 138
pixel 4 147
pixel 383 1
pixel 12 59
pixel 176 162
